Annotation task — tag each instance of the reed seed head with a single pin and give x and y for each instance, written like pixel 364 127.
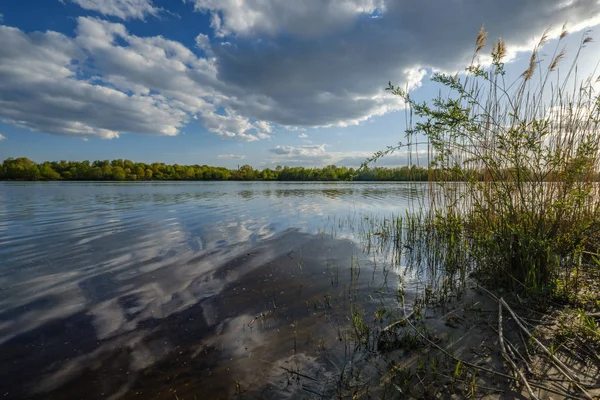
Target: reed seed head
pixel 557 59
pixel 499 49
pixel 481 38
pixel 564 32
pixel 529 72
pixel 544 38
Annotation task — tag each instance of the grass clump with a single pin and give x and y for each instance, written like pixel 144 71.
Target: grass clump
pixel 514 168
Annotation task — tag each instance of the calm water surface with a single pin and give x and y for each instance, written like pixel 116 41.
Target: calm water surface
pixel 147 290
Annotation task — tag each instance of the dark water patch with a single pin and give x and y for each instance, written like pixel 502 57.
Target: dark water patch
pixel 40 304
pixel 28 357
pixel 267 307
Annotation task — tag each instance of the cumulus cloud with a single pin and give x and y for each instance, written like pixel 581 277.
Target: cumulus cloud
pixel 124 9
pixel 262 135
pixel 268 64
pixel 305 18
pixel 41 90
pixel 231 125
pixel 317 155
pixel 145 85
pixel 337 79
pixel 302 151
pixel 2 137
pixel 203 43
pixel 231 156
pixel 397 159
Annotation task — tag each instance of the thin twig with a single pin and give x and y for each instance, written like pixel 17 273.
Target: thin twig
pixel 399 322
pixel 512 348
pixel 291 371
pixel 491 371
pixel 507 357
pixel 514 353
pixel 525 346
pixel 259 316
pixel 312 391
pixel 560 366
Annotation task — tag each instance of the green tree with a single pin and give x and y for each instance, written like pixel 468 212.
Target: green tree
pixel 47 173
pixel 118 173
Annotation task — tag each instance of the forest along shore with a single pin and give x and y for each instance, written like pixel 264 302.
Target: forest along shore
pixel 126 170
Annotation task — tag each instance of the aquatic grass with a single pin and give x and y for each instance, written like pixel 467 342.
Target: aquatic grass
pixel 514 170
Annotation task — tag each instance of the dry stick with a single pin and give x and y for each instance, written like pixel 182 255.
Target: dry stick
pixel 593 315
pixel 512 349
pixel 291 371
pixel 491 371
pixel 559 363
pixel 514 353
pixel 261 315
pixel 399 322
pixel 550 390
pixel 506 356
pixel 560 366
pixel 525 346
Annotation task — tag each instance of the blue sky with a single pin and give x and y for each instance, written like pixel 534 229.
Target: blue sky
pixel 228 82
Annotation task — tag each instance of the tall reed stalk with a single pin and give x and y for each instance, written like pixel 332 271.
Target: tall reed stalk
pixel 514 168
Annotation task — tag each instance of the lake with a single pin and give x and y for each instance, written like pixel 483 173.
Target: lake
pixel 207 289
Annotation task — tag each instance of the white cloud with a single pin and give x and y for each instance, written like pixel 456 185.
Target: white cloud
pixel 338 79
pixel 41 90
pixel 414 77
pixel 303 136
pixel 231 156
pixel 317 150
pixel 262 135
pixel 263 126
pixel 203 43
pixel 317 155
pixel 305 18
pixel 231 125
pixel 124 9
pixel 328 68
pixel 1 17
pixel 143 85
pixel 2 137
pixel 246 137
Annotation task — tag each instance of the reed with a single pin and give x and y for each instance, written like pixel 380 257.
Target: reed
pixel 514 169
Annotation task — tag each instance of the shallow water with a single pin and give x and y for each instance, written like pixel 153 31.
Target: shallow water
pixel 151 290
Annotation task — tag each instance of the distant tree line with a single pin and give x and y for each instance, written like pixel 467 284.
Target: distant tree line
pixel 126 170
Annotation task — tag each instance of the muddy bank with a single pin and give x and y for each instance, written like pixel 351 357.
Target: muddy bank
pixel 479 344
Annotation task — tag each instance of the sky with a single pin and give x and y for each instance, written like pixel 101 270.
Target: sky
pixel 259 82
